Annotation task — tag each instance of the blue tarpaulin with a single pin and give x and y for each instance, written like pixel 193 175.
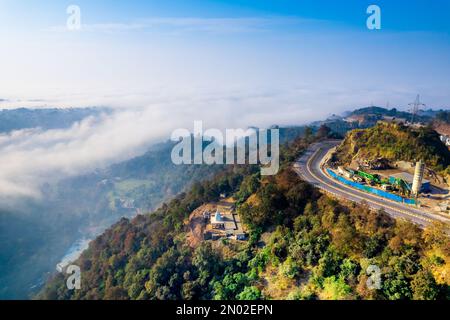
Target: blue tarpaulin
pixel 377 192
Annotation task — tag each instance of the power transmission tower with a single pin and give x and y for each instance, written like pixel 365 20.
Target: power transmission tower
pixel 415 108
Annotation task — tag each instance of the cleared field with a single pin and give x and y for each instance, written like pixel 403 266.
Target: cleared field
pixel 124 186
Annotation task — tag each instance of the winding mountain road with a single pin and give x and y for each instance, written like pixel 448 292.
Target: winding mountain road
pixel 310 168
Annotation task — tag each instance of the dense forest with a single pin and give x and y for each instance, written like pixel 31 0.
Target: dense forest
pixel 302 245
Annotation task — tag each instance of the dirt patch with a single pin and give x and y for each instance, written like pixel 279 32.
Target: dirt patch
pixel 442 128
pixel 196 224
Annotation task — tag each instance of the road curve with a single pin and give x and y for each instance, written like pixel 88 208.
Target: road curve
pixel 309 168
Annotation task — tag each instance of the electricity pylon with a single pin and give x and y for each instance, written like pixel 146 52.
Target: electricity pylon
pixel 415 108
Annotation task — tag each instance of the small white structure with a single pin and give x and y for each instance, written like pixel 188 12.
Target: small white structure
pixel 445 139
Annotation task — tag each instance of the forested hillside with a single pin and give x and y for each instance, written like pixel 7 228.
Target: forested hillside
pixel 302 245
pixel 395 142
pixel 36 233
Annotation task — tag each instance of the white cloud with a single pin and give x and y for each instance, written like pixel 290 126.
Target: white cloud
pixel 34 156
pixel 193 24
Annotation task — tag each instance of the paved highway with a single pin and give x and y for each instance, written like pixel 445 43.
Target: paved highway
pixel 310 168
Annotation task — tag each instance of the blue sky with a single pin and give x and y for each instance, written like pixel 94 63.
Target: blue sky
pixel 402 15
pixel 318 55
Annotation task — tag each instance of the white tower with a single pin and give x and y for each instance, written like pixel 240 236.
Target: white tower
pixel 418 177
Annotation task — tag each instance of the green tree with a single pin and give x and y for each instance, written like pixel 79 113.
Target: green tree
pixel 231 285
pixel 424 286
pixel 329 264
pixel 336 289
pixel 396 287
pixel 250 293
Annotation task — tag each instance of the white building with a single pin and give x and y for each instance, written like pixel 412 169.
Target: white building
pixel 445 139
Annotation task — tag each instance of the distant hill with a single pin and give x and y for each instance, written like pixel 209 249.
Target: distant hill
pixel 53 118
pixel 382 111
pixel 395 142
pixel 369 116
pixel 443 116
